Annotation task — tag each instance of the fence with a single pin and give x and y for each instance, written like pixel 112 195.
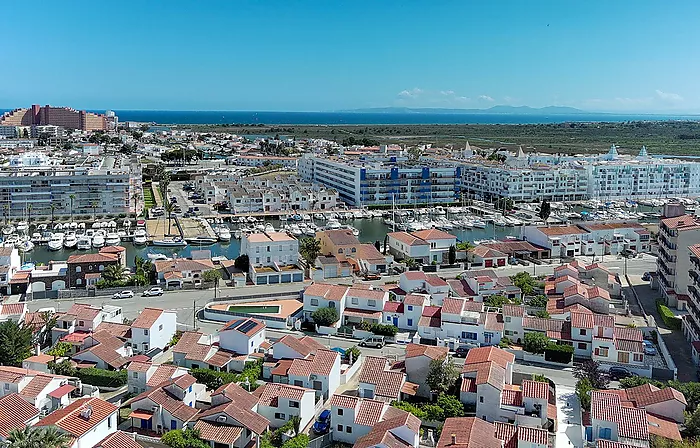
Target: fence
pixel 321 442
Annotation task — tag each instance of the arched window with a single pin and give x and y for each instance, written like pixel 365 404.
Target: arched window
pixel 78 269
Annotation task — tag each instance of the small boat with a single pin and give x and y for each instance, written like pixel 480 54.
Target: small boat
pixel 269 228
pixel 332 224
pixel 157 257
pixel 357 214
pixel 140 237
pixel 56 242
pixel 84 242
pixel 297 217
pixel 112 239
pixel 41 227
pixel 22 226
pixel 319 216
pixel 36 237
pixel 202 240
pixel 98 240
pixel 479 224
pixel 73 225
pixel 306 217
pixel 8 230
pixel 25 246
pixel 170 242
pixel 223 233
pixel 70 241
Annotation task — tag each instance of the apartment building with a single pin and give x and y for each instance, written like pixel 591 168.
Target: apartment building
pixel 58 116
pixel 273 258
pixel 425 246
pixel 93 185
pixel 383 181
pixel 676 234
pixel 691 321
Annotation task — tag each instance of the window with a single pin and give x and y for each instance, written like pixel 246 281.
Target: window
pixel 101 268
pixel 160 327
pixel 348 429
pixel 7 386
pixel 353 250
pixel 78 269
pixel 145 347
pixel 340 427
pixel 481 399
pixel 293 404
pixel 410 307
pixel 145 332
pixel 314 302
pixel 354 301
pixel 372 303
pixel 268 248
pixel 109 422
pixel 135 375
pixel 605 433
pixel 388 318
pixel 582 346
pixel 280 416
pixel 602 351
pixel 190 389
pixel 340 412
pixel 469 335
pixel 173 424
pixel 340 251
pixel 331 304
pixel 300 383
pixel 638 357
pixel 257 260
pixel 410 322
pixel 78 281
pixel 582 332
pixel 507 318
pixel 81 323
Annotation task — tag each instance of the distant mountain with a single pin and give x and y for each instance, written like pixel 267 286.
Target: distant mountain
pixel 515 110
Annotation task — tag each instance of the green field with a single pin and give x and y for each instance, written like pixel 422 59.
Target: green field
pixel 255 309
pixel 660 137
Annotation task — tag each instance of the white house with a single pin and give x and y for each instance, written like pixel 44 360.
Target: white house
pixel 242 336
pixel 103 351
pixel 290 347
pixel 279 402
pixel 320 372
pixel 143 376
pixel 364 303
pixel 485 373
pixel 418 358
pixel 431 284
pixel 667 402
pixel 83 318
pixel 273 258
pixel 426 246
pixel 43 390
pixel 323 295
pixel 87 421
pixel 407 313
pixel 153 328
pixel 378 382
pixel 17 414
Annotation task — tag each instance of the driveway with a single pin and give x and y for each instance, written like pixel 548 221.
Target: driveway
pixel 569 430
pixel 677 344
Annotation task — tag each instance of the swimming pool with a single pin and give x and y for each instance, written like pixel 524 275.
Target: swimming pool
pixel 255 309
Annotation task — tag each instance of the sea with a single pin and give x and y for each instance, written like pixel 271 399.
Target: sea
pixel 369 118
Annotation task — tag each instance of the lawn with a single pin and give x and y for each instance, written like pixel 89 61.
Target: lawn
pixel 148 199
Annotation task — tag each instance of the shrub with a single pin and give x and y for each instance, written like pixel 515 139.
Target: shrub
pixel 434 412
pixel 384 330
pixel 213 379
pixel 102 378
pixel 667 316
pixel 539 301
pixel 355 352
pixel 559 353
pixel 408 407
pixel 299 441
pixel 543 314
pixel 325 317
pixel 535 342
pixel 505 342
pixel 451 406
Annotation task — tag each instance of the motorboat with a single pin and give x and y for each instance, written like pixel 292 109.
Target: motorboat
pixel 353 230
pixel 98 240
pixel 8 230
pixel 332 224
pixel 296 231
pixel 112 239
pixel 84 243
pixel 170 242
pixel 25 246
pixel 22 226
pixel 479 224
pixel 56 241
pixel 70 241
pixel 269 228
pixel 357 214
pixel 223 233
pixel 36 237
pixel 140 237
pixel 158 257
pixel 319 216
pixel 202 240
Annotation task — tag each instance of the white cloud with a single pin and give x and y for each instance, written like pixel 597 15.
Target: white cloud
pixel 669 97
pixel 447 92
pixel 486 98
pixel 414 92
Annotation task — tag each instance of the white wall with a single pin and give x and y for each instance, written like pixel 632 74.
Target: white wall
pixel 99 432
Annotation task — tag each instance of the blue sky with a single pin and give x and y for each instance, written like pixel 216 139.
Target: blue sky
pixel 622 55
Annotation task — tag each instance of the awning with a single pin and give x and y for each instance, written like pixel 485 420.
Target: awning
pixel 62 391
pixel 409 388
pixel 141 413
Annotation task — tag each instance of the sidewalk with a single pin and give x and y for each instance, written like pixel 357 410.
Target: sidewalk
pixel 569 430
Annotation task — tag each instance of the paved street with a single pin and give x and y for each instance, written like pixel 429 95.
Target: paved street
pixel 568 418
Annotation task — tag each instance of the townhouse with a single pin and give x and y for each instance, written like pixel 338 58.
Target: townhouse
pixel 480 284
pixel 16 414
pixel 177 272
pixel 614 418
pixel 473 432
pixel 144 375
pixel 82 319
pixel 345 247
pixel 405 314
pixel 418 359
pixel 420 282
pixel 319 372
pixel 152 329
pixel 103 351
pixel 44 391
pixel 278 403
pixel 86 269
pixel 290 347
pixel 378 382
pixel 424 246
pixel 9 264
pixel 364 420
pixel 464 320
pixel 273 258
pixel 323 295
pixel 170 405
pixel 354 304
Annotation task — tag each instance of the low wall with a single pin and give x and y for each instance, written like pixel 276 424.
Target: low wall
pixel 539 359
pixel 225 316
pixel 645 371
pixel 326 330
pixel 347 376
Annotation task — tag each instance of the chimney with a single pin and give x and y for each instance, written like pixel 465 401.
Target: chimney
pixel 454 439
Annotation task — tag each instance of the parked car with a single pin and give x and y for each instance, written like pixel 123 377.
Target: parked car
pixel 323 422
pixel 123 294
pixel 649 348
pixel 618 373
pixel 373 341
pixel 155 291
pixel 646 277
pixel 373 277
pixel 463 349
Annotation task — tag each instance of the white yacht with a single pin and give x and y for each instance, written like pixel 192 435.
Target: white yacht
pixel 56 241
pixel 224 233
pixel 112 239
pixel 319 216
pixel 479 224
pixel 170 242
pixel 158 257
pixel 70 241
pixel 84 242
pixel 25 246
pixel 332 224
pixel 98 240
pixel 140 237
pixel 22 226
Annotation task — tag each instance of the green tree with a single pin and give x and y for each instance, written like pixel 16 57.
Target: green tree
pixel 539 301
pixel 545 210
pixel 187 438
pixel 325 317
pixel 309 248
pixel 212 276
pixel 295 423
pixel 544 314
pixel 535 342
pixel 590 370
pixel 64 368
pixel 583 391
pixel 300 441
pixel 496 300
pixel 113 273
pixel 352 354
pixel 59 350
pixel 442 375
pixel 692 424
pixel 525 282
pixel 451 406
pixel 15 343
pixel 409 262
pixel 37 437
pixel 540 378
pixel 452 254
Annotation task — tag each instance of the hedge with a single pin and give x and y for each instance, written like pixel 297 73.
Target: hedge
pixel 378 329
pixel 102 378
pixel 667 316
pixel 559 353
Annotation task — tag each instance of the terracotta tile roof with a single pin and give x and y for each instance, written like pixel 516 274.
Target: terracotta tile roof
pixel 282 367
pixel 433 234
pixel 414 300
pixel 561 230
pixel 239 409
pixel 189 344
pixel 487 252
pixel 510 397
pixel 138 366
pixel 537 436
pixel 513 310
pixel 340 237
pixel 486 373
pixel 362 293
pixel 183 264
pixel 328 292
pixel 93 258
pixel 648 394
pixel 489 354
pixel 535 389
pixel 432 352
pixel 415 275
pixel 469 432
pixel 270 392
pixel 10 375
pixel 218 433
pixel 372 369
pixel 468 385
pixel 106 353
pixel 62 391
pixel 684 222
pixel 662 427
pixel 115 329
pixel 407 239
pixel 393 307
pixel 389 384
pixel 69 419
pixel 461 288
pixel 631 422
pixel 344 401
pixel 493 321
pixel 602 443
pixel 629 334
pixel 82 311
pixel 42 358
pixel 147 318
pixel 555 328
pixel 15 412
pixel 452 305
pixel 221 358
pixel 304 345
pixel 13 309
pixel 508 433
pixel 253 326
pixel 160 396
pixel 381 433
pixel 320 364
pixel 35 320
pixel 35 386
pixel 434 280
pixel 118 439
pixel 369 412
pixel 163 373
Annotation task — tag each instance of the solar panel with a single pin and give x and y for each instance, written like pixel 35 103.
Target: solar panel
pixel 246 326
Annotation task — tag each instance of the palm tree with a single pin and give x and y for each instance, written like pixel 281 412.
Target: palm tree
pixel 169 207
pixel 93 204
pixel 72 198
pixel 113 273
pixel 37 437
